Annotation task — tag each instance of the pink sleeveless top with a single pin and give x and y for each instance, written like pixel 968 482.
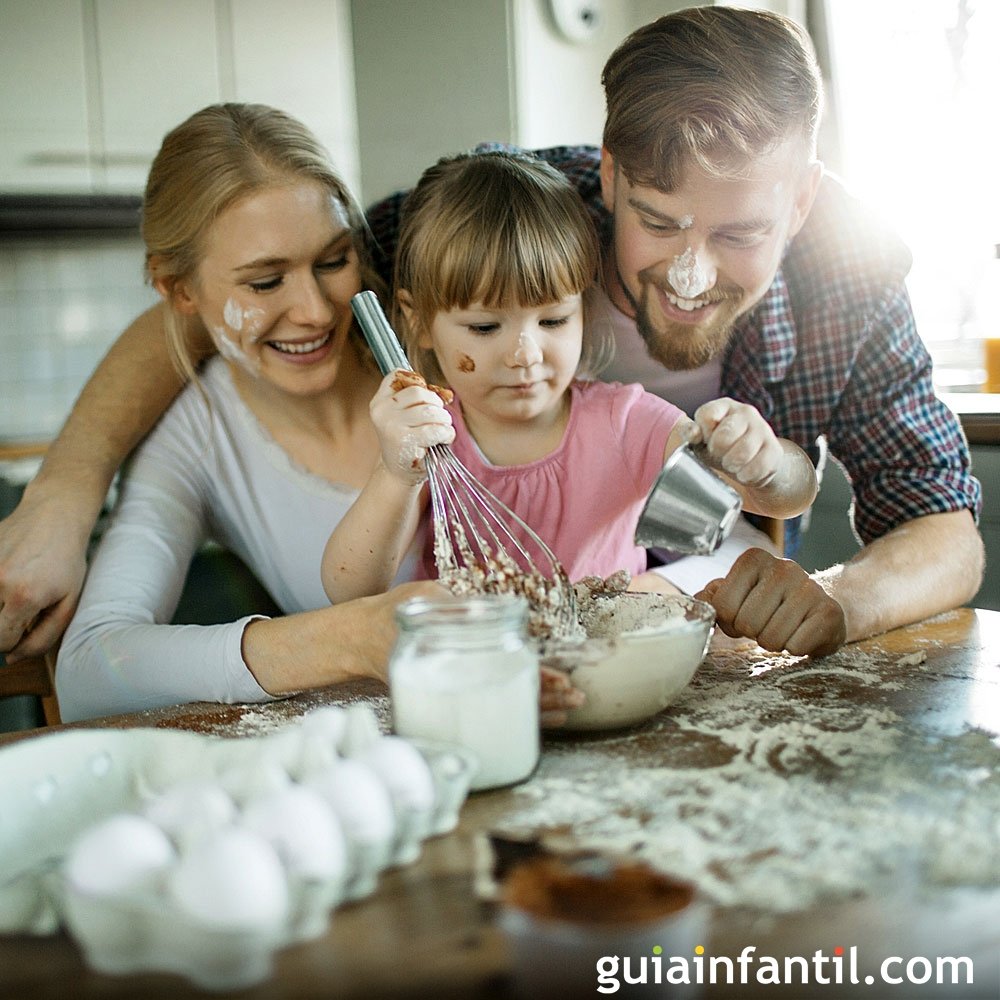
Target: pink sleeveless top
pixel 585 497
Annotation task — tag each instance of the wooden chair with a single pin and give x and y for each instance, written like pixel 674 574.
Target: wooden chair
pixel 35 676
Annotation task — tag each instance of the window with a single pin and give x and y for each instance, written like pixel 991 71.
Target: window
pixel 915 95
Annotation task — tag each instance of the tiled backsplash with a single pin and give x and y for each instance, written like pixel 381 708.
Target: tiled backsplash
pixel 63 302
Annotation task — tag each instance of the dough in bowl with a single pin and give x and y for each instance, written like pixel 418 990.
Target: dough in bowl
pixel 641 651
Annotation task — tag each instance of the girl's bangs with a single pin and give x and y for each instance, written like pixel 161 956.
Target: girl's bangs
pixel 515 268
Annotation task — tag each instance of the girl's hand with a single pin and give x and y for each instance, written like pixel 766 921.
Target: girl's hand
pixel 409 418
pixel 738 440
pixel 556 697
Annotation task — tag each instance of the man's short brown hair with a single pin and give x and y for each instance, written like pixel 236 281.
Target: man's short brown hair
pixel 717 85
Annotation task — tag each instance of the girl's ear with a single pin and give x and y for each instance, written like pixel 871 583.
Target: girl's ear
pixel 416 328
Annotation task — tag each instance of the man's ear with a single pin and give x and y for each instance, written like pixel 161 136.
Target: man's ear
pixel 405 302
pixel 608 177
pixel 805 195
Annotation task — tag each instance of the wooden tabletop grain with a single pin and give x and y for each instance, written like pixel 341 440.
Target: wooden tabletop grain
pixel 427 933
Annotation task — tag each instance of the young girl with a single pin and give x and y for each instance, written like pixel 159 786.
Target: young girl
pixel 495 258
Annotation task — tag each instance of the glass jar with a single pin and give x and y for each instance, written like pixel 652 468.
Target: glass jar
pixel 463 672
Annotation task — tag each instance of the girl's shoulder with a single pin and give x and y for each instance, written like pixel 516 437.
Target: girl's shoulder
pixel 619 401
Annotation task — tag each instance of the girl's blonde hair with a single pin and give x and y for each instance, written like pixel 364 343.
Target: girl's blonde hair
pixel 501 228
pixel 219 155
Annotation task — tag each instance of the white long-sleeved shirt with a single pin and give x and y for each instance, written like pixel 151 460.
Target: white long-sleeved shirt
pixel 203 472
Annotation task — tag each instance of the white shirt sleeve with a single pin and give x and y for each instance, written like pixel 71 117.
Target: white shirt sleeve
pixel 691 573
pixel 120 654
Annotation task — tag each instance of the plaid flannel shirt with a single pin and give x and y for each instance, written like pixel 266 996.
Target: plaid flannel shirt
pixel 830 351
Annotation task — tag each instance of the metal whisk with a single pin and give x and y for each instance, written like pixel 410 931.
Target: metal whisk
pixel 476 549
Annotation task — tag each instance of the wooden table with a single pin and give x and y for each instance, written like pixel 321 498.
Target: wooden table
pixel 979 414
pixel 918 707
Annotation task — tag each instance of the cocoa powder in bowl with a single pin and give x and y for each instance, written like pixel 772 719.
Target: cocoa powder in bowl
pixel 594 891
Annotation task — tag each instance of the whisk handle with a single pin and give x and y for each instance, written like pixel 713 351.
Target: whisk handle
pixel 380 335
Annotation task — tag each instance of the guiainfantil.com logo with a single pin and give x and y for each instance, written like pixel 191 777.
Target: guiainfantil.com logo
pixel 839 967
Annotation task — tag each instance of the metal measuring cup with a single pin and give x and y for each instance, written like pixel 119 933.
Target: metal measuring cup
pixel 689 509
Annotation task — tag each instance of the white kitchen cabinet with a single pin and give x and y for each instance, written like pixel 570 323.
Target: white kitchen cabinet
pixel 90 87
pixel 299 58
pixel 156 63
pixel 437 78
pixel 45 144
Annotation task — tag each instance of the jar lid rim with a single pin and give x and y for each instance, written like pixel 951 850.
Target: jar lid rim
pixel 479 608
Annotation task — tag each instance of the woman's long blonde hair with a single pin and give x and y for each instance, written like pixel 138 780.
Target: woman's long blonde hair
pixel 502 228
pixel 219 155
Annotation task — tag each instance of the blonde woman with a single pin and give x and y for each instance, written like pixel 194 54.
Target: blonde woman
pixel 252 238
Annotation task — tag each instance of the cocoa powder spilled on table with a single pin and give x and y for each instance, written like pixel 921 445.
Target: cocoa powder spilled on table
pixel 556 889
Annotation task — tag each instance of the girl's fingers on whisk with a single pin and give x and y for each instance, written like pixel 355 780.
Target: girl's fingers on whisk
pixel 413 397
pixel 443 433
pixel 427 435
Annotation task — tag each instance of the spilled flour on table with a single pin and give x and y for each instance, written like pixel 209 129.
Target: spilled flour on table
pixel 759 812
pixel 252 720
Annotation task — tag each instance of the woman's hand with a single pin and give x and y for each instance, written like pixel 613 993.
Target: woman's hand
pixel 43 560
pixel 409 418
pixel 738 441
pixel 778 605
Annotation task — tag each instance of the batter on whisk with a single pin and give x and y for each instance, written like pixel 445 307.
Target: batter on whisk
pixel 495 260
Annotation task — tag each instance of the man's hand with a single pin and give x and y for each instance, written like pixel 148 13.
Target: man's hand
pixel 43 560
pixel 776 603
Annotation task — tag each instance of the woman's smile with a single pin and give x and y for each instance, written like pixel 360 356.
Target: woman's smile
pixel 303 351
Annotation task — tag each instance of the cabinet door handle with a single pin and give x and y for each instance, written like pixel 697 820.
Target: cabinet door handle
pixel 77 158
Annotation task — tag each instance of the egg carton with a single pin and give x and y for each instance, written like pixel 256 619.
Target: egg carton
pixel 127 837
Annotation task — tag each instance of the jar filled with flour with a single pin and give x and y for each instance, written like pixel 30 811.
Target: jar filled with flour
pixel 463 672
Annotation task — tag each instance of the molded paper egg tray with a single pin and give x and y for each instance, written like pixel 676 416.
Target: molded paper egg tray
pixel 59 786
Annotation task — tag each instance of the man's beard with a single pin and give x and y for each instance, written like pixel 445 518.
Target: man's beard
pixel 680 346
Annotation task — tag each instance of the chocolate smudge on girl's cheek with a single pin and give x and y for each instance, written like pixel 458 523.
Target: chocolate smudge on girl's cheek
pixel 466 364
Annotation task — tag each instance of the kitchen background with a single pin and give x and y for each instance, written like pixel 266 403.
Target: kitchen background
pixel 90 86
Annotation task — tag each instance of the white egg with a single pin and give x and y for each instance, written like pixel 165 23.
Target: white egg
pixel 405 772
pixel 360 800
pixel 232 879
pixel 281 748
pixel 121 854
pixel 255 776
pixel 190 810
pixel 300 824
pixel 315 753
pixel 361 730
pixel 328 722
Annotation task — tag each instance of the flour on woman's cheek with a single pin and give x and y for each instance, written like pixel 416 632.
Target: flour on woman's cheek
pixel 232 351
pixel 232 313
pixel 238 317
pixel 239 321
